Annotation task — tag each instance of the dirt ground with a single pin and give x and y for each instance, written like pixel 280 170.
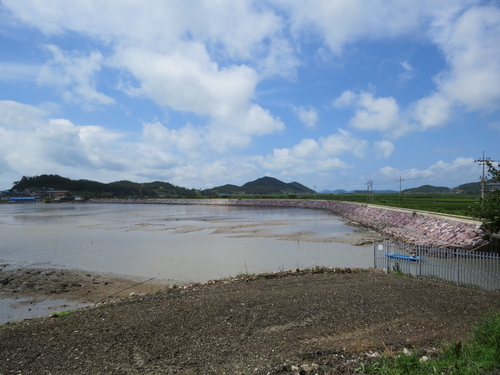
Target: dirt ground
pixel 321 321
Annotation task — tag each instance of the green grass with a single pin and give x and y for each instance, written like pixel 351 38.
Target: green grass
pixel 479 355
pixel 61 314
pixel 456 204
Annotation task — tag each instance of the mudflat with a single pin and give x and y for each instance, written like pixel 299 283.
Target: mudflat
pixel 321 321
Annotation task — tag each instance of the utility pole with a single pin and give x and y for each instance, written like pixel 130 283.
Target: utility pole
pixel 315 188
pixel 482 179
pixel 369 188
pixel 400 180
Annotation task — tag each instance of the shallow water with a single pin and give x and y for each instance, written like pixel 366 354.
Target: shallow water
pixel 173 243
pixel 17 309
pixel 177 242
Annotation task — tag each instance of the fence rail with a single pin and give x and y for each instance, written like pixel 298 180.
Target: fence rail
pixel 473 269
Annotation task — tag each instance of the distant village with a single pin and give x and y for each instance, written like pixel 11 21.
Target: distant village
pixel 35 195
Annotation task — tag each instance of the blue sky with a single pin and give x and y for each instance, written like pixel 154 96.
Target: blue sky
pixel 328 93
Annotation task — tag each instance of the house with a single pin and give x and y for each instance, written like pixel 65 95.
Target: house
pixel 24 199
pixel 57 194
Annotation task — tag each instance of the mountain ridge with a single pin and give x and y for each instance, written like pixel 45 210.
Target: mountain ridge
pixel 262 186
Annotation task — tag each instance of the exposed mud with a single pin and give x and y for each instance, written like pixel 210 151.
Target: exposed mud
pixel 73 285
pixel 321 321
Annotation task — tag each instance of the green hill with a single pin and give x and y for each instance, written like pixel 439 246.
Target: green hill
pixel 471 187
pixel 468 188
pixel 428 189
pixel 93 188
pixel 261 186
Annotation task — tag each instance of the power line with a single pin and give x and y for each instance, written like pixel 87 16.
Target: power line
pixel 458 169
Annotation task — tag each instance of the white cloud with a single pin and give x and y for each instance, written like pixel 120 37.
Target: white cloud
pixel 407 74
pixel 406 66
pixel 383 149
pixel 207 58
pixel 346 99
pixel 343 142
pixel 343 21
pixel 202 57
pixel 234 30
pixel 18 72
pixel 472 80
pixel 16 115
pixel 188 80
pixel 34 143
pixel 74 75
pixel 188 140
pixel 474 57
pixel 467 36
pixel 279 61
pixel 458 171
pixel 311 156
pixel 309 116
pixel 431 111
pixel 381 114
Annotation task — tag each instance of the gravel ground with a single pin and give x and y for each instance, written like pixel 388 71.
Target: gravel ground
pixel 322 321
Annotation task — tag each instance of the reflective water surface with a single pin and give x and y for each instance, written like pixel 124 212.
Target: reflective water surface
pixel 175 242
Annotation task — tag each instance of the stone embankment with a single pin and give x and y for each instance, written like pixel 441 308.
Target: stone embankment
pixel 416 227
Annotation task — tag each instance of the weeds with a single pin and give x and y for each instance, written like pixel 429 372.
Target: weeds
pixel 480 355
pixel 61 314
pixel 396 270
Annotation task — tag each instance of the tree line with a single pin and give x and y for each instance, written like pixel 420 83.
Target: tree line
pixel 93 188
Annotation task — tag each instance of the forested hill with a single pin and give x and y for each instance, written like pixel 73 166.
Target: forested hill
pixel 118 188
pixel 262 186
pixel 428 189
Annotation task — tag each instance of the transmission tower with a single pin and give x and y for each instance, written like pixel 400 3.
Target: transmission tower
pixel 369 189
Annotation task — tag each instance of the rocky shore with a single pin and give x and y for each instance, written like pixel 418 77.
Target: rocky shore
pixel 318 321
pixel 416 227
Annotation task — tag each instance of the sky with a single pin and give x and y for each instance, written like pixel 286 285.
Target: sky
pixel 332 94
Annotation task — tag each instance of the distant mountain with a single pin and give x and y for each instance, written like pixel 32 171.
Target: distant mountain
pixel 342 191
pixel 374 191
pixel 262 186
pixel 428 189
pixel 94 188
pixel 227 189
pixel 337 191
pixel 472 187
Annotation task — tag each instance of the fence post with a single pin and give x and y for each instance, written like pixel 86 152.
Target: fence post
pixel 458 266
pixel 419 254
pixel 388 261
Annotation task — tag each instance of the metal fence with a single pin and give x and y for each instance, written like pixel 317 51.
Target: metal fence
pixel 473 269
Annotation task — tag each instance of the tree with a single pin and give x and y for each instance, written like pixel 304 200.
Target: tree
pixel 489 208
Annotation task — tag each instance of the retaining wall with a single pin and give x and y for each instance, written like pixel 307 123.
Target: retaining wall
pixel 416 227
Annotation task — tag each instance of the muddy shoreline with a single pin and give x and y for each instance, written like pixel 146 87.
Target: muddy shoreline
pixel 414 226
pixel 27 285
pixel 319 321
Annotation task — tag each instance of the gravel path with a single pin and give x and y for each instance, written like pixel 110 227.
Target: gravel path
pixel 322 321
